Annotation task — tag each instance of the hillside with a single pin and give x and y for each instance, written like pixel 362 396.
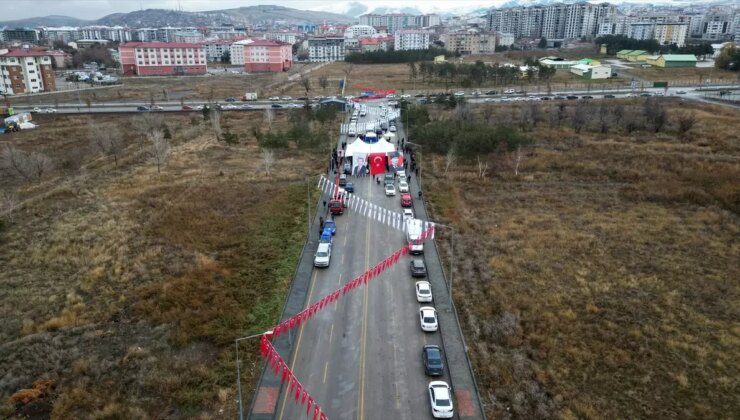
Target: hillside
pixel 163 17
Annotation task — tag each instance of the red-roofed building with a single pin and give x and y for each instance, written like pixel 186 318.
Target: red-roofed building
pixel 26 71
pixel 162 59
pixel 267 55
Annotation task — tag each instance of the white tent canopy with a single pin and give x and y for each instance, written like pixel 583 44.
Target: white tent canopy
pixel 360 147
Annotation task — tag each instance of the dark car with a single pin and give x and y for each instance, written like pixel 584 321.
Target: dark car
pixel 520 92
pixel 350 187
pixel 342 180
pixel 302 98
pixel 142 108
pixel 331 226
pixel 559 98
pixel 419 95
pixel 545 98
pixel 587 97
pixel 646 94
pixel 418 268
pixel 492 92
pixel 571 97
pixel 230 99
pixel 276 106
pixel 431 356
pixel 609 96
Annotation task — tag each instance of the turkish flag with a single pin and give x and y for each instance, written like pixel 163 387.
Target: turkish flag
pixel 377 163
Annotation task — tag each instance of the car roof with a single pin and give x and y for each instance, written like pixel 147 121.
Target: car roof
pixel 423 283
pixel 324 246
pixel 425 309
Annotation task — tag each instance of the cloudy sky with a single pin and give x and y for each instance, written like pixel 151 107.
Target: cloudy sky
pixel 93 9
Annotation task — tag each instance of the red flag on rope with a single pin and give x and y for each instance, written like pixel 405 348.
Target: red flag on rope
pixel 298 389
pixel 276 331
pixel 323 416
pixel 286 373
pixel 316 411
pixel 276 365
pixel 292 384
pixel 264 346
pixel 303 397
pixel 292 322
pixel 309 404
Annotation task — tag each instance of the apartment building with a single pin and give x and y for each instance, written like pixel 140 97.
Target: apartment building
pixel 396 21
pixel 236 51
pixel 216 48
pixel 671 33
pixel 188 36
pixel 264 55
pixel 326 48
pixel 470 42
pixel 22 35
pixel 162 59
pixel 411 39
pixel 554 22
pixel 719 25
pixel 359 31
pixel 287 37
pixel 25 71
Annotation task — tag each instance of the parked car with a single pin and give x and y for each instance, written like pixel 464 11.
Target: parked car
pixel 490 100
pixel 276 106
pixel 492 92
pixel 646 94
pixel 274 98
pixel 331 226
pixel 419 95
pixel 246 106
pixel 392 129
pixel 403 186
pixel 199 107
pixel 441 400
pixel 428 319
pixel 230 99
pixel 49 111
pixel 187 108
pixel 408 214
pixel 558 98
pixel 545 98
pixel 431 356
pixel 350 188
pixel 156 108
pixel 423 292
pixel 509 91
pixel 680 92
pixel 587 97
pixel 418 268
pixel 286 98
pixel 390 190
pixel 323 255
pixel 406 200
pixel 142 108
pixel 363 112
pixel 459 94
pixel 571 97
pixel 342 180
pixel 609 96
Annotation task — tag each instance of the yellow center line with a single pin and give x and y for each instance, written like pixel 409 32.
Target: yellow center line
pixel 363 350
pixel 331 333
pixel 326 367
pixel 298 343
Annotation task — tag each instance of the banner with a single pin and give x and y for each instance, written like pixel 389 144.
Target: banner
pixel 395 159
pixel 377 163
pixel 359 162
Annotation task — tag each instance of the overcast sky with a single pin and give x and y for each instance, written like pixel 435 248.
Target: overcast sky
pixel 93 9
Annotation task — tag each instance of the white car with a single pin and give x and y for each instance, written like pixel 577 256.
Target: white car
pixel 199 107
pixel 363 113
pixel 49 110
pixel 406 96
pixel 408 214
pixel 156 108
pixel 441 400
pixel 392 129
pixel 461 93
pixel 351 132
pixel 36 109
pixel 286 98
pixel 403 187
pixel 246 106
pixel 390 190
pixel 428 318
pixel 391 96
pixel 489 100
pixel 274 98
pixel 509 91
pixel 423 292
pixel 323 255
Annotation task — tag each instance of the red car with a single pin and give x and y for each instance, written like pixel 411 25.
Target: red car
pixel 406 200
pixel 336 207
pixel 187 108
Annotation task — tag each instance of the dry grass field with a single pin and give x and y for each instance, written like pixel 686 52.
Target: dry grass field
pixel 602 281
pixel 122 289
pixel 694 75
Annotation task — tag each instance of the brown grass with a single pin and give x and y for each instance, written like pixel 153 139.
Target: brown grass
pixel 126 288
pixel 602 281
pixel 686 75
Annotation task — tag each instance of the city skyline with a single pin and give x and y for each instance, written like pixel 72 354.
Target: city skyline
pixel 95 9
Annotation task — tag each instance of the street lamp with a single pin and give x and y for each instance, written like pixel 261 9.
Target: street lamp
pixel 239 373
pixel 452 255
pixel 419 162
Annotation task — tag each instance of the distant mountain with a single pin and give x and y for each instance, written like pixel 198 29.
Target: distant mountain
pixel 52 20
pixel 162 17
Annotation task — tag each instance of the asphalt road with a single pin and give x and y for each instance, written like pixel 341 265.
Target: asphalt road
pixel 362 358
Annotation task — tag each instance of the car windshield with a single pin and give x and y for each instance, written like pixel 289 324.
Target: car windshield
pixel 443 403
pixel 322 254
pixel 423 290
pixel 429 319
pixel 433 356
pixel 418 264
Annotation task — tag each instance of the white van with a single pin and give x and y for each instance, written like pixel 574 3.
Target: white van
pixel 323 255
pixel 413 233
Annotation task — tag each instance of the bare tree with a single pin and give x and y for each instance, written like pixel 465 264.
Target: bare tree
pixel 464 114
pixel 487 113
pixel 535 112
pixel 159 149
pixel 525 122
pixel 305 82
pixel 655 114
pixel 450 159
pixel 8 204
pixel 517 158
pixel 686 122
pixel 618 112
pixel 268 157
pixel 561 114
pixel 215 117
pixel 482 167
pixel 578 119
pixel 146 124
pixel 27 165
pixel 604 118
pixel 323 82
pixel 108 142
pixel 347 70
pixel 269 118
pixel 630 121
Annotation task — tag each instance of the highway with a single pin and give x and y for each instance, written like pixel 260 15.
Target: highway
pixel 691 93
pixel 361 358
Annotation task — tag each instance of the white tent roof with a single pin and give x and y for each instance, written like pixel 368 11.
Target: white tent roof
pixel 359 146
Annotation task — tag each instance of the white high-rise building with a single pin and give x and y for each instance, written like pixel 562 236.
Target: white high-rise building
pixel 326 48
pixel 359 31
pixel 236 51
pixel 411 39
